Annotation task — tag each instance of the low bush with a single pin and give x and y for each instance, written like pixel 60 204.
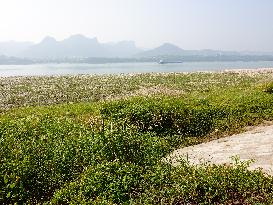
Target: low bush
pixel 116 183
pixel 191 117
pixel 107 183
pixel 208 184
pixel 39 155
pixel 162 115
pixel 268 87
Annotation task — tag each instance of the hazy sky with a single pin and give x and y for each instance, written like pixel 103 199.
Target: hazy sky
pixel 191 24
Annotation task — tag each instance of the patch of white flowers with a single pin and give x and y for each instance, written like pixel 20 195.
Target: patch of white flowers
pixel 31 91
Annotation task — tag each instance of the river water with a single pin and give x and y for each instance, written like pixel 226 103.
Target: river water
pixel 118 68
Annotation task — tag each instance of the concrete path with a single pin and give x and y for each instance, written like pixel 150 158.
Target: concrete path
pixel 256 144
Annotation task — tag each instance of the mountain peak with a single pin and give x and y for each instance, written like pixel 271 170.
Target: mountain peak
pixel 164 49
pixel 49 39
pixel 169 46
pixel 81 38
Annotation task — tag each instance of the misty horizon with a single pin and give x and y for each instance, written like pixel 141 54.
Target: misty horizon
pixel 232 25
pixel 116 42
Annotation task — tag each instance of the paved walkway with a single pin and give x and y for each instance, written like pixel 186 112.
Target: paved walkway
pixel 256 144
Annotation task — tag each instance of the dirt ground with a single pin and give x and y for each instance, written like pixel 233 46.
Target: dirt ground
pixel 255 144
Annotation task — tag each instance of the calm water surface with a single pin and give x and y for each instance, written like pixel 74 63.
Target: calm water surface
pixel 117 68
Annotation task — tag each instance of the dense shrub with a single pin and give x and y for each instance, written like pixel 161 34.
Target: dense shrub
pixel 208 184
pixel 191 117
pixel 115 183
pixel 162 115
pixel 111 182
pixel 268 88
pixel 38 155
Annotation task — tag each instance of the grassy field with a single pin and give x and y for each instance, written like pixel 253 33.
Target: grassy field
pixel 100 139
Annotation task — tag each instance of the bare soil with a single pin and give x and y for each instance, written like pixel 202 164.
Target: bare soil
pixel 255 144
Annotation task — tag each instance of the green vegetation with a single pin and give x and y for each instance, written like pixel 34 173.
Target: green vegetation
pixel 269 87
pixel 101 139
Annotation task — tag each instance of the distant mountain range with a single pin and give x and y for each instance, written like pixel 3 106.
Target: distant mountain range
pixel 168 49
pixel 76 46
pixel 79 46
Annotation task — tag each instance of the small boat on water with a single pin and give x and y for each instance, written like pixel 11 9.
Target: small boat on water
pixel 167 62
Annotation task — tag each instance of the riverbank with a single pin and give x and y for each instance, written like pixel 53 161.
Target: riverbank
pixel 50 90
pixel 101 139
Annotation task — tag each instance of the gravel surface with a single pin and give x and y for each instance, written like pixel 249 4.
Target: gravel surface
pixel 255 144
